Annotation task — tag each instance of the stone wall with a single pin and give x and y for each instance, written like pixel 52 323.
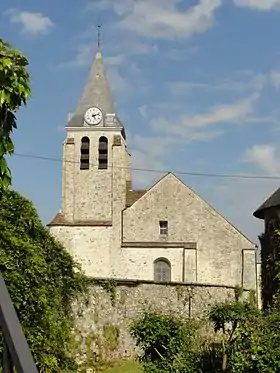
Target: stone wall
pixel 102 324
pixel 201 245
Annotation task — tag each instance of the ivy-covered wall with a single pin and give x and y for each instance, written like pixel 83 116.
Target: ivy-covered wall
pixel 102 324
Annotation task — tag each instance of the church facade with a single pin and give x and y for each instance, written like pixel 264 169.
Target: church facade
pixel 166 233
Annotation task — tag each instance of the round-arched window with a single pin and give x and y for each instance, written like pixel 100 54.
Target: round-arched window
pixel 162 270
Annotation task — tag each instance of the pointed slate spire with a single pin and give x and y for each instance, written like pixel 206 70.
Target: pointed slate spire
pixel 96 93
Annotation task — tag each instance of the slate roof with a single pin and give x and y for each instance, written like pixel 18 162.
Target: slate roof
pixel 96 93
pixel 272 201
pixel 133 195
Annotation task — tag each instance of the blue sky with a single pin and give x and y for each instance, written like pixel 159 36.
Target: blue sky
pixel 196 84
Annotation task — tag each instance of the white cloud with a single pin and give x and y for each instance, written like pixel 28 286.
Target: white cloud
pixel 241 197
pixel 264 157
pixel 163 19
pixel 31 23
pixel 227 113
pixel 143 110
pixel 115 60
pixel 237 199
pixel 264 5
pixel 199 126
pixel 184 88
pixel 83 57
pixel 275 79
pixel 143 161
pixel 233 84
pixel 148 154
pixel 117 82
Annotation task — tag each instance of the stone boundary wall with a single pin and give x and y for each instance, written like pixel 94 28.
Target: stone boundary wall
pixel 102 323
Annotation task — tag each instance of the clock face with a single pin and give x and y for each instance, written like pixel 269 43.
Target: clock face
pixel 93 116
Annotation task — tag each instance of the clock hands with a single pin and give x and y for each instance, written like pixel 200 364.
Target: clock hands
pixel 93 116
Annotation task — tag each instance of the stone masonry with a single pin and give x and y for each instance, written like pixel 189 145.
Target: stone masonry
pixel 102 327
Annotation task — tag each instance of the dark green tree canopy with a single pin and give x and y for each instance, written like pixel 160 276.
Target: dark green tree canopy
pixel 43 281
pixel 14 92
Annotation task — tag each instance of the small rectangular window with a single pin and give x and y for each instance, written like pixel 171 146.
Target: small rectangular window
pixel 163 227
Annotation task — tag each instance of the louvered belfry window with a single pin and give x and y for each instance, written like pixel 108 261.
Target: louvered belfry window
pixel 162 270
pixel 103 153
pixel 84 159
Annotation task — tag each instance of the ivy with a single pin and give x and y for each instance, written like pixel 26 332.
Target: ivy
pixel 109 285
pixel 14 92
pixel 43 281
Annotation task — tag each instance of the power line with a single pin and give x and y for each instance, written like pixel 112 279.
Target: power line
pixel 201 174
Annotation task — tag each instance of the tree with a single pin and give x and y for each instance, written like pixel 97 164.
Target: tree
pixel 43 281
pixel 168 343
pixel 230 318
pixel 42 278
pixel 14 92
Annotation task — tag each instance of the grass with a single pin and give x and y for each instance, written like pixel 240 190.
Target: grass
pixel 125 367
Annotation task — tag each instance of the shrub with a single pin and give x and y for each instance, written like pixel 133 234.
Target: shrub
pixel 168 343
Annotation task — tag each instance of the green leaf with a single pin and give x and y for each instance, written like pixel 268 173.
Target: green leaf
pixel 3 166
pixel 3 99
pixel 9 146
pixel 6 182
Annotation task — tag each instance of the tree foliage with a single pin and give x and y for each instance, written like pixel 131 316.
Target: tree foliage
pixel 14 92
pixel 167 342
pixel 245 341
pixel 257 346
pixel 43 281
pixel 231 318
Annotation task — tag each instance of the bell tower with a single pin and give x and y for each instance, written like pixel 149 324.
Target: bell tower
pixel 95 159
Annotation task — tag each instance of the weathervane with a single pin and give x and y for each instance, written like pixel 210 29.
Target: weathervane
pixel 99 35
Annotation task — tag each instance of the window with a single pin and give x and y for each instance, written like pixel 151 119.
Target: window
pixel 84 160
pixel 162 270
pixel 163 227
pixel 103 153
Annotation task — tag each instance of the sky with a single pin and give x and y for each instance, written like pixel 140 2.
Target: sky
pixel 196 84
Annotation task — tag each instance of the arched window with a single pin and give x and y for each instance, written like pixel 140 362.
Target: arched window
pixel 103 153
pixel 84 160
pixel 162 270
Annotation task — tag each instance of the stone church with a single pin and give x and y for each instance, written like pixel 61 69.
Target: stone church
pixel 165 233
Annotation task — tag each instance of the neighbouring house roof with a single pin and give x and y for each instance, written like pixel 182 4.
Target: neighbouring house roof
pixel 272 201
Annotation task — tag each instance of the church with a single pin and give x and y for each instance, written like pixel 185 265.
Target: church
pixel 166 233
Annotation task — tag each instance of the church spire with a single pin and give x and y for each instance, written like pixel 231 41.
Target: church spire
pixel 96 92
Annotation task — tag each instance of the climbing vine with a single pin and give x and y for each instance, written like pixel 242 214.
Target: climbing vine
pixel 109 285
